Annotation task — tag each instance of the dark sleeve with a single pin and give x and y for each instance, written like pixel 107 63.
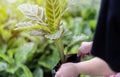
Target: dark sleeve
pixel 106 42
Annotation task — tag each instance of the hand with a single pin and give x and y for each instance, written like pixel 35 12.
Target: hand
pixel 84 49
pixel 67 70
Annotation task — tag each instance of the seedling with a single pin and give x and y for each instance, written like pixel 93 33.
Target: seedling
pixel 46 22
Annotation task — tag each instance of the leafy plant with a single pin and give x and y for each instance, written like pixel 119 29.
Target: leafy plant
pixel 45 21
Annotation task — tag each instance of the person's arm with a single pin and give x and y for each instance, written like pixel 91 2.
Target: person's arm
pixel 95 67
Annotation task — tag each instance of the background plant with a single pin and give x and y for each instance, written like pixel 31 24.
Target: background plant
pixel 44 55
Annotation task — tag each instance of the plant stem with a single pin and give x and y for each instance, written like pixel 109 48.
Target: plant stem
pixel 60 48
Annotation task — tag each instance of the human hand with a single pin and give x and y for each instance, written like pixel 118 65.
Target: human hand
pixel 67 70
pixel 84 49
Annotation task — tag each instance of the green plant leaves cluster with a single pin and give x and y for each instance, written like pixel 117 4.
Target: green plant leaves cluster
pixel 16 52
pixel 13 54
pixel 46 20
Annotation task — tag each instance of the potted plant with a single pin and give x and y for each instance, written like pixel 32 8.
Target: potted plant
pixel 46 22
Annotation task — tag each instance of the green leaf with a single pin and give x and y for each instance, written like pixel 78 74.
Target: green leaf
pixel 29 26
pixel 73 50
pixel 55 9
pixel 92 24
pixel 56 35
pixel 77 39
pixel 11 52
pixel 3 13
pixel 24 24
pixel 64 4
pixel 3 66
pixel 49 61
pixel 3 48
pixel 38 73
pixel 6 34
pixel 30 11
pixel 33 12
pixel 12 68
pixel 52 12
pixel 27 71
pixel 80 37
pixel 22 75
pixel 6 58
pixel 23 52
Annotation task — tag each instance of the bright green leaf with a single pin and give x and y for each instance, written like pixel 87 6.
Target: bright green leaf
pixel 53 12
pixel 27 71
pixel 6 58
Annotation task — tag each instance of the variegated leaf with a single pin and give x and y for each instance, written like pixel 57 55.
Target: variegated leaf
pixel 56 35
pixel 42 14
pixel 29 26
pixel 37 33
pixel 33 12
pixel 30 11
pixel 80 37
pixel 55 9
pixel 24 24
pixel 52 12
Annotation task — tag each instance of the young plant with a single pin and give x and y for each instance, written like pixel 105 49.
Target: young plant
pixel 45 21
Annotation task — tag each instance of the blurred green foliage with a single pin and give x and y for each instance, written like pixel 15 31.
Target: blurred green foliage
pixel 22 55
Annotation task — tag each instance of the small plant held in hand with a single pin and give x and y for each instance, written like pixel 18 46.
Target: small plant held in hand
pixel 46 22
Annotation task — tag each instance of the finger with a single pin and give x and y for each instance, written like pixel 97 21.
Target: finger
pixel 79 52
pixel 81 56
pixel 57 74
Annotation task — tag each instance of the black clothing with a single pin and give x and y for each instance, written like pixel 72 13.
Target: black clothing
pixel 106 43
